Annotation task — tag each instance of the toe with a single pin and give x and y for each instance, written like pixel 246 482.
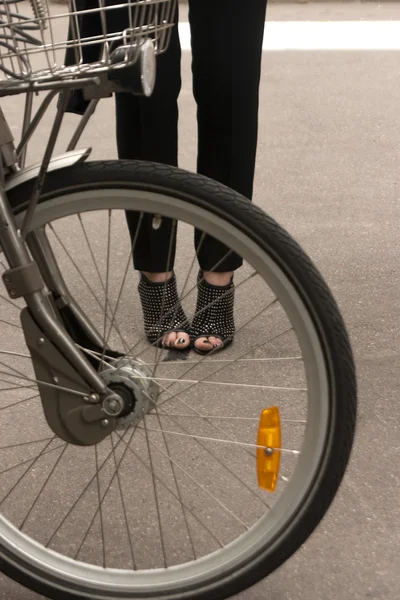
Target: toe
pixel 216 342
pixel 182 340
pixel 170 339
pixel 204 344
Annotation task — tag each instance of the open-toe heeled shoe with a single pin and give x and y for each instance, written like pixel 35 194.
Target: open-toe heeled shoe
pixel 214 316
pixel 162 312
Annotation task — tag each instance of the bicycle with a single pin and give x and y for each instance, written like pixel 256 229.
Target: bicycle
pixel 121 478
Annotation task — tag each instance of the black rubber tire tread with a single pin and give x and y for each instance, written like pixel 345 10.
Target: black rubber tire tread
pixel 324 313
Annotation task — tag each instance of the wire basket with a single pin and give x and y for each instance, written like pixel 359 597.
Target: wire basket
pixel 42 42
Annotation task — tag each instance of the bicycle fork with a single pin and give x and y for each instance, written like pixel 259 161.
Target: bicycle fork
pixel 74 396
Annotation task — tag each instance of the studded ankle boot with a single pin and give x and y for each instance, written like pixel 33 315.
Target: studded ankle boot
pixel 214 314
pixel 162 310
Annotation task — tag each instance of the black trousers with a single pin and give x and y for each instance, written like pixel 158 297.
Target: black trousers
pixel 227 38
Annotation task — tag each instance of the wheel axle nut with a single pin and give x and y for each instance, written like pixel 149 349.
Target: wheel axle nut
pixel 113 405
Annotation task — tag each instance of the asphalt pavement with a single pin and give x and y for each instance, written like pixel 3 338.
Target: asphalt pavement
pixel 328 170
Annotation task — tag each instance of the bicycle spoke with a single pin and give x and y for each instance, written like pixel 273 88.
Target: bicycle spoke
pixel 209 439
pixel 106 291
pixel 101 501
pixel 8 353
pixel 226 383
pixel 121 494
pixel 114 313
pixel 155 492
pixel 26 443
pixel 27 461
pixel 220 417
pixel 34 459
pixel 177 394
pixel 211 453
pixel 224 365
pixel 127 267
pixel 79 215
pixel 20 375
pixel 76 502
pixel 100 505
pixel 228 360
pixel 44 486
pixel 47 384
pixel 270 305
pixel 96 355
pixel 15 377
pixel 14 304
pixel 100 279
pixel 38 382
pixel 89 287
pixel 202 487
pixel 199 415
pixel 15 387
pixel 158 351
pixel 187 508
pixel 178 491
pixel 217 427
pixel 19 402
pixel 10 324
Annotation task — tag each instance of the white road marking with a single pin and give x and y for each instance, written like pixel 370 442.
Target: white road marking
pixel 323 35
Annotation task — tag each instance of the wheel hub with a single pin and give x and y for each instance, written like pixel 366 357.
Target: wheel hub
pixel 135 392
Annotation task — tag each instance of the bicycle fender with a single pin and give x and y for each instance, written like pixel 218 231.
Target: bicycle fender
pixel 58 162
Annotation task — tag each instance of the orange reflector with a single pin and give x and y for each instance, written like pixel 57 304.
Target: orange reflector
pixel 269 456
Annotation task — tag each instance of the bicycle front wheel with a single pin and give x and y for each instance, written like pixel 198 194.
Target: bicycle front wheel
pixel 172 507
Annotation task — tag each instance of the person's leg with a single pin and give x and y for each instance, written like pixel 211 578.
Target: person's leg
pixel 227 41
pixel 147 129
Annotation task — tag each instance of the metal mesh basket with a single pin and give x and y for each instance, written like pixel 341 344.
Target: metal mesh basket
pixel 41 41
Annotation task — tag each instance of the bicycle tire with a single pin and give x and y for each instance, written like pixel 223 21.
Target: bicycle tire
pixel 287 254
